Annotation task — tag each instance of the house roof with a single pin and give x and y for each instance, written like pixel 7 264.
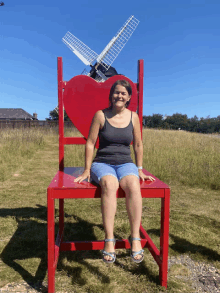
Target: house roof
pixel 14 113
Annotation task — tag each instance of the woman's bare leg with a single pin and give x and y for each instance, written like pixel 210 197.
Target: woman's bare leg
pixel 131 185
pixel 109 185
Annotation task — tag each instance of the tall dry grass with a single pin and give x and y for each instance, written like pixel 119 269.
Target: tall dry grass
pixel 172 156
pixel 179 156
pixel 16 146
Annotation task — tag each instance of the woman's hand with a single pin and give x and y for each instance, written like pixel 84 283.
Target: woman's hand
pixel 145 177
pixel 85 174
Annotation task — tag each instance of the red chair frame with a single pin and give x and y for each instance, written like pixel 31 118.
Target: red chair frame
pixel 62 186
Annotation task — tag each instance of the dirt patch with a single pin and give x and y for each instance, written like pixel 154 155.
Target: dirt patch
pixel 204 277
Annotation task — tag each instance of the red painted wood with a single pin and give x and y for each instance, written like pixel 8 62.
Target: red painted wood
pixel 164 237
pixel 74 140
pixel 65 180
pixel 51 241
pixel 88 98
pixel 61 216
pixel 96 245
pixel 140 91
pixel 83 97
pixel 61 116
pixel 96 193
pixel 150 245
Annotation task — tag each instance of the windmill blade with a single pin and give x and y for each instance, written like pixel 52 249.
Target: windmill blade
pixel 57 109
pixel 114 47
pixel 102 76
pixel 83 52
pixel 99 76
pixel 85 72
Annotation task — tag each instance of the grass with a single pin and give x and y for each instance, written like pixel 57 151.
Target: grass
pixel 17 146
pixel 185 157
pixel 194 219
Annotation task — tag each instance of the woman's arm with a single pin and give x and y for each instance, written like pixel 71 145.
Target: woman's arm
pixel 137 141
pixel 138 146
pixel 90 145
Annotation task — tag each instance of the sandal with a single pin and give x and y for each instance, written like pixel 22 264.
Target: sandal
pixel 111 254
pixel 135 253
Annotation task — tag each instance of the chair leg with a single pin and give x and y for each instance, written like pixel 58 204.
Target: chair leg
pixel 51 242
pixel 164 238
pixel 61 217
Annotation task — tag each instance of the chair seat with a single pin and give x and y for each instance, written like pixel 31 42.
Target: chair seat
pixel 64 186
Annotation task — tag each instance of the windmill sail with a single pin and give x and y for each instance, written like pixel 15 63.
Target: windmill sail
pixel 101 63
pixel 117 43
pixel 85 54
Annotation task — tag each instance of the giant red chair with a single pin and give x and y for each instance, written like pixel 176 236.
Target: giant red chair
pixel 81 97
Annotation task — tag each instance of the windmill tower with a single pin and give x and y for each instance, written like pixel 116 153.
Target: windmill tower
pixel 101 64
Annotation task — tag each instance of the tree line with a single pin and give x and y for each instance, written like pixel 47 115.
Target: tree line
pixel 176 121
pixel 181 121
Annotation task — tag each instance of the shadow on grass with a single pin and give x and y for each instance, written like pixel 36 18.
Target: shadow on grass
pixel 182 245
pixel 80 257
pixel 30 241
pixel 140 270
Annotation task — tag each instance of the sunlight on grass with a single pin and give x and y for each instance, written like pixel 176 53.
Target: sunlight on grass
pixel 172 156
pixel 17 145
pixel 188 162
pixel 178 156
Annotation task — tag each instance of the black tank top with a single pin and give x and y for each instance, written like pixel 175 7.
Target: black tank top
pixel 114 144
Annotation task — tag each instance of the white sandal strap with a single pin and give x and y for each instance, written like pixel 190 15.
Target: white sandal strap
pixel 135 238
pixel 135 253
pixel 109 240
pixel 111 254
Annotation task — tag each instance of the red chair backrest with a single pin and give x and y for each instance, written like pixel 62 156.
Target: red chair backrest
pixel 82 97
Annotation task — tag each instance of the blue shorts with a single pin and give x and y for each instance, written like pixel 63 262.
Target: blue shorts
pixel 99 170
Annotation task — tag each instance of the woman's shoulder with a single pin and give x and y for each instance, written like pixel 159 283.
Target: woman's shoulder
pixel 101 113
pixel 99 116
pixel 134 115
pixel 135 118
pixel 105 112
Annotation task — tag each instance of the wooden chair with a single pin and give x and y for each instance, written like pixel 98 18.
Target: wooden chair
pixel 74 96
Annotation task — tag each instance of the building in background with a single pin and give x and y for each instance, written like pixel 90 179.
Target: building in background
pixel 16 114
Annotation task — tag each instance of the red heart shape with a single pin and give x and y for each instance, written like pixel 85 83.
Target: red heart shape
pixel 83 97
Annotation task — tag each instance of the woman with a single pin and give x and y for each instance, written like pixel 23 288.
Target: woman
pixel 117 127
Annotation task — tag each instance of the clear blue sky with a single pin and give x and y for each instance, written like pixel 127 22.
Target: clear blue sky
pixel 178 40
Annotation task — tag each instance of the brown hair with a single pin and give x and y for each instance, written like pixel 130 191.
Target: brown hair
pixel 123 83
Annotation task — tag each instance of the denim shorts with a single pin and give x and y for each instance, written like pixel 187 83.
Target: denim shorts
pixel 99 170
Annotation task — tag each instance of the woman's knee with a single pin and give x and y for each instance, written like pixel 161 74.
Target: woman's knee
pixel 109 184
pixel 130 184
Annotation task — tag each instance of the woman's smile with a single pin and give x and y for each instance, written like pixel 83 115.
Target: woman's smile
pixel 120 95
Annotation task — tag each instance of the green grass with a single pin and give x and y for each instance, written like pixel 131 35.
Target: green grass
pixel 17 146
pixel 194 217
pixel 184 157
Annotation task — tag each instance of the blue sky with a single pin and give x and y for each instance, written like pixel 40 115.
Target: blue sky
pixel 178 40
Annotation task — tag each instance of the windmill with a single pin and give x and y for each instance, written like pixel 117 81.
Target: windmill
pixel 100 64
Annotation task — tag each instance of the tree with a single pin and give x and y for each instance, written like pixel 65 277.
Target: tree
pixel 177 121
pixel 54 115
pixel 154 121
pixel 193 124
pixel 147 121
pixel 157 120
pixel 217 124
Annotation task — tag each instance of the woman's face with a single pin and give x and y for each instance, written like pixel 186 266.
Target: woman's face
pixel 120 96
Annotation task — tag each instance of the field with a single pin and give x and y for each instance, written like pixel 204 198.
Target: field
pixel 188 162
